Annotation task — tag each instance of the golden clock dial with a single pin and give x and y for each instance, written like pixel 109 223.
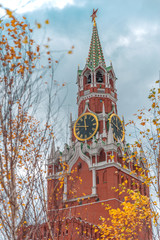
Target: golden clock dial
pixel 85 126
pixel 117 127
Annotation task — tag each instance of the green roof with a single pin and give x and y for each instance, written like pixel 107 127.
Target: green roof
pixel 95 56
pixel 109 68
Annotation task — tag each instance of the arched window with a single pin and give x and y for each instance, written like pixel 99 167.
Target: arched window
pixel 102 156
pixel 82 230
pixel 122 178
pixel 97 179
pixel 132 184
pixel 105 176
pixel 99 77
pixel 89 78
pixel 145 192
pixel 127 180
pixel 140 188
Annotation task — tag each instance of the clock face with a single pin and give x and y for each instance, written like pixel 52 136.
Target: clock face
pixel 117 127
pixel 86 126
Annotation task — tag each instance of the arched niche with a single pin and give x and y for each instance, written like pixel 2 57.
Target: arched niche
pixel 111 81
pixel 122 178
pixel 99 76
pixel 105 176
pixel 87 77
pixel 120 156
pixel 102 156
pixel 97 178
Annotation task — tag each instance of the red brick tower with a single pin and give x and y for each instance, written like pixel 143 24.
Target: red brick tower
pixel 94 155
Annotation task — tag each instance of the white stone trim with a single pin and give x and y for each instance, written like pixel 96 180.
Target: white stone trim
pixel 78 153
pixel 94 189
pixel 86 92
pixel 65 189
pixel 105 165
pixel 86 204
pixel 93 94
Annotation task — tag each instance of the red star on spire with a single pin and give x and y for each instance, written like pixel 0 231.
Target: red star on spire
pixel 93 16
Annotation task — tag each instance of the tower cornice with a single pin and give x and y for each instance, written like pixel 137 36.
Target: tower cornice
pixel 94 94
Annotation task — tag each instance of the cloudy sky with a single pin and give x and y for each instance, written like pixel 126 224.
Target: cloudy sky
pixel 129 31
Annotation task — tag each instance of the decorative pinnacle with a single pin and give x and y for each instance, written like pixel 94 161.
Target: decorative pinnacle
pixel 93 16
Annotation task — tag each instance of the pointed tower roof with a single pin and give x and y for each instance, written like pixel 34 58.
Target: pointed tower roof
pixel 95 56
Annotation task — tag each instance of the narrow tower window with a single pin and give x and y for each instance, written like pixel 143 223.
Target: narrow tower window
pixel 97 179
pixel 99 77
pixel 89 78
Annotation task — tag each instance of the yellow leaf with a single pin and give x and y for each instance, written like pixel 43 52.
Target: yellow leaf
pixel 39 25
pixel 25 40
pixel 70 52
pixel 47 21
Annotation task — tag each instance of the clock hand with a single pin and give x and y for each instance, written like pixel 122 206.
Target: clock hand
pixel 85 123
pixel 116 126
pixel 83 126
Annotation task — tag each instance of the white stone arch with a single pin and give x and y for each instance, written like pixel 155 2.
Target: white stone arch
pixel 87 73
pixel 78 153
pixel 102 72
pixel 100 150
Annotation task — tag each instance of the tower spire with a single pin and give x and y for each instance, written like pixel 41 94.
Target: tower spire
pixel 95 56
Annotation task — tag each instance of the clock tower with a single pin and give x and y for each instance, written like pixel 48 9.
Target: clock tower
pixel 81 178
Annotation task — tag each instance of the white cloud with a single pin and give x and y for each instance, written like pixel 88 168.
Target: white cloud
pixel 141 36
pixel 22 6
pixel 123 41
pixel 139 33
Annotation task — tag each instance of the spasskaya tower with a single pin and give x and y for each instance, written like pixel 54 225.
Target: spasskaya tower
pixel 93 158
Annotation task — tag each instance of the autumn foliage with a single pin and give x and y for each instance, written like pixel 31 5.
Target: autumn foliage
pixel 127 222
pixel 139 213
pixel 24 141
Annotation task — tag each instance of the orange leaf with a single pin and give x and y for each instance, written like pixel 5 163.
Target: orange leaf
pixel 143 123
pixel 153 105
pixel 9 13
